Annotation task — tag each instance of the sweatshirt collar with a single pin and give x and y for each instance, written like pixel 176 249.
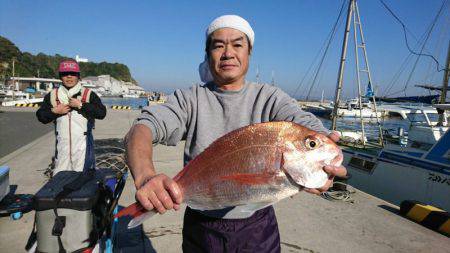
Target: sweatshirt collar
pixel 217 90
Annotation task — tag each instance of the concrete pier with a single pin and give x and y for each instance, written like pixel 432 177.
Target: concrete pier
pixel 308 223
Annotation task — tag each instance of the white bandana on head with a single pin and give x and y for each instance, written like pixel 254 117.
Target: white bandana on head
pixel 226 21
pixel 65 94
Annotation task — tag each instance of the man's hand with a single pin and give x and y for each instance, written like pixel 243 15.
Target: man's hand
pixel 61 109
pixel 159 192
pixel 334 136
pixel 75 103
pixel 332 171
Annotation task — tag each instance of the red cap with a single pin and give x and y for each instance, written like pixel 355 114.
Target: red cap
pixel 69 66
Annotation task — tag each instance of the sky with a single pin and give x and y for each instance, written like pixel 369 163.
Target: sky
pixel 162 42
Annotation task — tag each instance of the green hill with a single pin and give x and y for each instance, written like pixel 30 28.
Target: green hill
pixel 28 65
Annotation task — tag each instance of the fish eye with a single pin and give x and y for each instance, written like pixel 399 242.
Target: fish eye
pixel 312 143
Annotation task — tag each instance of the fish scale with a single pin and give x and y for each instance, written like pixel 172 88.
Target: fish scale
pixel 253 167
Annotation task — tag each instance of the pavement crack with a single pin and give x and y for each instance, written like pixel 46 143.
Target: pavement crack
pixel 162 231
pixel 297 247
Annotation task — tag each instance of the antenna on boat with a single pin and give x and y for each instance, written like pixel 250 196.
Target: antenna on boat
pixel 321 98
pixel 444 87
pixel 353 12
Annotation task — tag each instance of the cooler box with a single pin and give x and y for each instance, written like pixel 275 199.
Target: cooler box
pixel 4 181
pixel 76 210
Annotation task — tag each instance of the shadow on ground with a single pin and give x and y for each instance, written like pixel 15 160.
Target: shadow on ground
pixel 390 209
pixel 131 240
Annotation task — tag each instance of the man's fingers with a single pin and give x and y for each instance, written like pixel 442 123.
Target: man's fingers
pixel 327 185
pixel 165 199
pixel 156 202
pixel 324 188
pixel 161 193
pixel 337 171
pixel 143 199
pixel 334 136
pixel 313 191
pixel 174 191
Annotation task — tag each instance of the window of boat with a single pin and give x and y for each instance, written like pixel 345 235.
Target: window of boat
pixel 362 164
pixel 416 118
pixel 420 119
pixel 421 145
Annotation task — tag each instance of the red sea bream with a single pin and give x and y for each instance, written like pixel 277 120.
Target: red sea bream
pixel 251 168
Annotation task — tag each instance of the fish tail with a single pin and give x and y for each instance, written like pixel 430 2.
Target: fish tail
pixel 132 210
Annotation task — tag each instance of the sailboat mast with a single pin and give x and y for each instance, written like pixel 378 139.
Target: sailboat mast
pixel 321 98
pixel 341 66
pixel 358 78
pixel 444 86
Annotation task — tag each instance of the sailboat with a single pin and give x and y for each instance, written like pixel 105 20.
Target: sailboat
pixel 419 170
pixel 416 168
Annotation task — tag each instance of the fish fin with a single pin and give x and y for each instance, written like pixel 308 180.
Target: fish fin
pixel 138 220
pixel 249 178
pixel 244 211
pixel 132 210
pixel 279 161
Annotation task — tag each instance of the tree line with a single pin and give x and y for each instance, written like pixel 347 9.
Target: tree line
pixel 46 66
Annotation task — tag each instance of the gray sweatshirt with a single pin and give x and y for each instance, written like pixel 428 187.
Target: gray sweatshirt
pixel 204 113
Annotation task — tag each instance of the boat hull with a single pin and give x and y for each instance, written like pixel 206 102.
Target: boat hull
pixel 395 178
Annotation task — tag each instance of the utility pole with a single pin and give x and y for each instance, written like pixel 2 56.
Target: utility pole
pixel 13 79
pixel 444 87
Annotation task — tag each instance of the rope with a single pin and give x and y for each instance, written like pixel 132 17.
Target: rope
pixel 425 40
pixel 329 38
pixel 333 33
pixel 339 195
pixel 440 45
pixel 109 154
pixel 112 160
pixel 406 37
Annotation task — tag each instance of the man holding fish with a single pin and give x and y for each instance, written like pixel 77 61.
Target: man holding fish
pixel 230 184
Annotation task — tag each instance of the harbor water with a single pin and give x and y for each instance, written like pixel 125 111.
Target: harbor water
pixel 370 126
pixel 348 124
pixel 135 103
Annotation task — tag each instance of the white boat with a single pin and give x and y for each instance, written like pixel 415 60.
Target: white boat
pixel 395 110
pixel 418 171
pixel 357 113
pixel 23 101
pixel 352 109
pixel 7 94
pixel 130 96
pixel 352 136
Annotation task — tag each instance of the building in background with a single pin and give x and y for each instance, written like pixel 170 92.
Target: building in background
pixel 79 59
pixel 106 85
